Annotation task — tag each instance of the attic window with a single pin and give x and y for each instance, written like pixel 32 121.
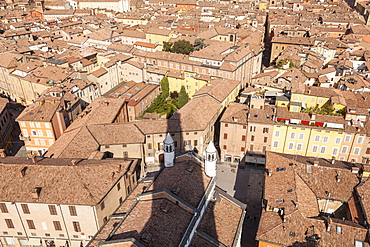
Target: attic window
pixel 39 111
pixel 339 229
pixel 280 169
pixel 290 190
pixel 292 233
pixel 279 201
pixel 190 169
pixel 267 116
pixel 359 243
pixel 256 115
pixel 309 168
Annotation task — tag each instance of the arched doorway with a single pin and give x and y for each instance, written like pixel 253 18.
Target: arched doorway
pixel 161 158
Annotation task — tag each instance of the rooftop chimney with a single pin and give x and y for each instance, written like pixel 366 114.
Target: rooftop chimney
pixel 269 172
pixel 113 174
pixel 119 168
pixel 328 224
pixel 33 158
pixel 36 192
pixel 23 171
pixel 355 170
pixel 2 153
pixel 337 177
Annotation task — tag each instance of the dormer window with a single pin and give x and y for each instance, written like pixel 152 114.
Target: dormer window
pixel 339 229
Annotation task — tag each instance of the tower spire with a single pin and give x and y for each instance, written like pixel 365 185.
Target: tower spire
pixel 210 160
pixel 169 151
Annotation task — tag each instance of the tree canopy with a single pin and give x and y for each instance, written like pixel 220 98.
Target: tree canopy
pixel 180 46
pixel 165 87
pixel 284 61
pixel 183 97
pixel 198 44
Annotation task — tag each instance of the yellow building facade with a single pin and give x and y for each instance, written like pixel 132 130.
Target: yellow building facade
pixel 317 142
pixel 309 100
pixel 189 80
pixel 38 136
pixel 156 38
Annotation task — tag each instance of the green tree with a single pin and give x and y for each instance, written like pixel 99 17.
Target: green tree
pixel 284 61
pixel 342 111
pixel 182 47
pixel 198 44
pixel 167 46
pixel 165 87
pixel 183 97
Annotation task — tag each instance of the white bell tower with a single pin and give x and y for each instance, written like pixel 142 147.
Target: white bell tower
pixel 169 151
pixel 210 160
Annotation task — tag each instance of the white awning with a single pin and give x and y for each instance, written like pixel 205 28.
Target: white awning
pixel 75 243
pixel 60 242
pixel 34 241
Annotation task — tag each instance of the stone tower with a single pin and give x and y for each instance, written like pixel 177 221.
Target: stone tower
pixel 169 151
pixel 210 160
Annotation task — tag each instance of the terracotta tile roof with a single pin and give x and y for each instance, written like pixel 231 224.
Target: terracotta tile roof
pixel 189 115
pixel 191 185
pixel 296 188
pixel 100 111
pixel 158 31
pixel 88 186
pixel 74 143
pixel 114 134
pixel 236 113
pixel 3 104
pixel 264 115
pixel 148 221
pixel 39 112
pixel 168 205
pixel 219 89
pixel 158 126
pixel 222 219
pixel 99 72
pixel 199 241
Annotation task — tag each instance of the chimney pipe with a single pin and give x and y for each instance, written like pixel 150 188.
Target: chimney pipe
pixel 74 162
